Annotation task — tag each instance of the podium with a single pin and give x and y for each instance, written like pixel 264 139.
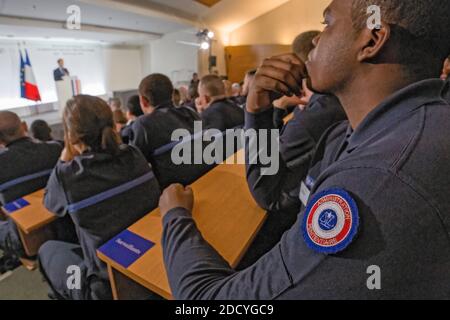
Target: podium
pixel 66 89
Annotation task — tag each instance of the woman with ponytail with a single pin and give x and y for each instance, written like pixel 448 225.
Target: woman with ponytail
pixel 104 186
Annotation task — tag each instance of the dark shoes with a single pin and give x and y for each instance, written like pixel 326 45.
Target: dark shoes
pixel 8 263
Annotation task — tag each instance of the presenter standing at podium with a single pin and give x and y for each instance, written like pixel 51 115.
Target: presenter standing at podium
pixel 66 86
pixel 60 72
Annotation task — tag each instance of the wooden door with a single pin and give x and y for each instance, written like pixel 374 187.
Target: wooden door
pixel 240 59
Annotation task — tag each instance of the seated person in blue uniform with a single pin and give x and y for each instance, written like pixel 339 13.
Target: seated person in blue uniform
pixel 300 136
pixel 133 111
pixel 192 95
pixel 104 186
pixel 301 46
pixel 313 114
pixel 375 220
pixel 40 130
pixel 217 111
pixel 25 166
pixel 154 129
pixel 249 77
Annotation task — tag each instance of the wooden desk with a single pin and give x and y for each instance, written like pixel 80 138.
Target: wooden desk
pixel 225 213
pixel 33 223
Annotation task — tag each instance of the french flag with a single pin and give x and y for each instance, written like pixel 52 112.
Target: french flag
pixel 28 87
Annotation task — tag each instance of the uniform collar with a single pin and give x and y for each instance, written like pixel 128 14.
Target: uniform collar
pixel 165 105
pixel 220 101
pixel 396 107
pixel 23 139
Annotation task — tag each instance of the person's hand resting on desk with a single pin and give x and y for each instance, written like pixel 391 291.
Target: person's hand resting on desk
pixel 176 196
pixel 283 75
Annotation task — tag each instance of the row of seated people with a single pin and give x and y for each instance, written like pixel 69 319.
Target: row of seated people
pixel 94 160
pixel 187 96
pixel 370 206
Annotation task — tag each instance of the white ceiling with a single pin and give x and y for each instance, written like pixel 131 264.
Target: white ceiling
pixel 46 19
pixel 227 15
pixel 125 21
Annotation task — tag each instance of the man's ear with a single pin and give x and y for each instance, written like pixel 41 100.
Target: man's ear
pixel 145 104
pixel 373 42
pixel 24 127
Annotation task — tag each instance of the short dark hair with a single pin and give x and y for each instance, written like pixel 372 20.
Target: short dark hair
pixel 157 89
pixel 303 44
pixel 134 106
pixel 213 85
pixel 420 30
pixel 10 127
pixel 40 130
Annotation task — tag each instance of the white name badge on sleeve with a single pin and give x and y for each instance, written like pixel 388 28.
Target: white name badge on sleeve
pixel 304 194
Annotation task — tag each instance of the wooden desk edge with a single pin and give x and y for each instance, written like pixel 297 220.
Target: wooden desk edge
pixel 111 263
pixel 166 295
pixel 35 227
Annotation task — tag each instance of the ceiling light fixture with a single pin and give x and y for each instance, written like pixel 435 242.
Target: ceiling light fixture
pixel 205 45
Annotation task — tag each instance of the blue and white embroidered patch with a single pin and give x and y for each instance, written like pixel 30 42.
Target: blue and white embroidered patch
pixel 331 221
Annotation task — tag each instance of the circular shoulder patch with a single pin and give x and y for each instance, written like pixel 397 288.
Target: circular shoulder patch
pixel 330 222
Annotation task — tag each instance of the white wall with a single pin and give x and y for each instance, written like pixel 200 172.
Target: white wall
pixel 123 68
pixel 83 60
pixel 100 69
pixel 282 25
pixel 177 61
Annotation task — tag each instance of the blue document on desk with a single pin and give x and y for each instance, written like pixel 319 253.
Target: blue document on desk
pixel 15 205
pixel 126 248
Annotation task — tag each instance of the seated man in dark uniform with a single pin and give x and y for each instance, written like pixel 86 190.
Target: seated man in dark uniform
pixel 249 76
pixel 375 220
pixel 133 111
pixel 300 136
pixel 218 112
pixel 298 141
pixel 25 166
pixel 154 130
pixel 192 95
pixel 40 130
pixel 94 162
